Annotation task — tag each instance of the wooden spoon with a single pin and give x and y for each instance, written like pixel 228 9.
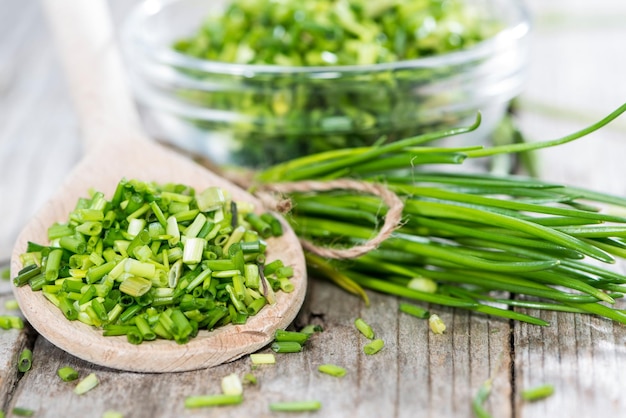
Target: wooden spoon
pixel 116 148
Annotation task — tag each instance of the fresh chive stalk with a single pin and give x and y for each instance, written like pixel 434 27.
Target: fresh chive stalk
pixel 484 232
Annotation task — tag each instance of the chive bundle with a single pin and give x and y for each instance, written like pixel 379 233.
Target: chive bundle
pixel 477 237
pixel 157 261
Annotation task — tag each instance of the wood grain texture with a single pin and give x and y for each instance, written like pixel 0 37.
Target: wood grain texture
pixel 576 77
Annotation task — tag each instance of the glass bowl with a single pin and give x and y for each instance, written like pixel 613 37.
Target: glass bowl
pixel 259 115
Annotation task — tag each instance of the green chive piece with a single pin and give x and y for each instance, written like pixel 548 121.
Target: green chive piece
pixel 299 337
pixel 479 400
pixel 231 385
pixel 537 392
pixel 414 310
pixel 23 412
pixel 212 400
pixel 11 321
pixel 286 347
pixel 436 324
pixel 25 360
pixel 332 370
pixel 295 406
pixel 87 384
pixel 373 347
pixel 249 378
pixel 312 329
pixel 112 414
pixel 262 358
pixel 67 374
pixel 364 328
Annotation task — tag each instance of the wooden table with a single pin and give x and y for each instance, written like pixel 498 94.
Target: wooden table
pixel 578 62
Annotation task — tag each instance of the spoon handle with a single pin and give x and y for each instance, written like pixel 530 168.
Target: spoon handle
pixel 86 42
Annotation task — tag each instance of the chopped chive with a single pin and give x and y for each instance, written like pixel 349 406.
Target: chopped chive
pixel 212 400
pixel 112 414
pixel 11 322
pixel 332 370
pixel 249 378
pixel 282 335
pixel 364 328
pixel 154 262
pixel 296 406
pixel 311 329
pixel 262 358
pixel 25 360
pixel 23 412
pixel 286 347
pixel 231 385
pixel 67 374
pixel 373 346
pixel 479 400
pixel 87 384
pixel 537 392
pixel 436 324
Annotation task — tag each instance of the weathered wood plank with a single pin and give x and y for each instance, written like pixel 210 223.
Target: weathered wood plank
pixel 416 374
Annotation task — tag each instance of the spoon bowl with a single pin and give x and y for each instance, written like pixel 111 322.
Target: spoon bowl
pixel 116 149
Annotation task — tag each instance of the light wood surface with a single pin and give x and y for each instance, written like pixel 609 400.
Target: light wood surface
pixel 576 77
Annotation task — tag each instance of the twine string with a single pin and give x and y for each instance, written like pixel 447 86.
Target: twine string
pixel 269 194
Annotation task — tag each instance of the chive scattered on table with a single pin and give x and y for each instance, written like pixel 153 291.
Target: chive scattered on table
pixel 295 406
pixel 436 324
pixel 11 322
pixel 262 358
pixel 537 392
pixel 25 360
pixel 373 346
pixel 250 378
pixel 480 398
pixel 286 347
pixel 364 328
pixel 332 369
pixel 112 414
pixel 86 384
pixel 202 401
pixel 11 305
pixel 23 412
pixel 295 336
pixel 231 385
pixel 67 374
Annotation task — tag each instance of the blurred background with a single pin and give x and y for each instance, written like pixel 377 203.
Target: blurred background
pixel 577 68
